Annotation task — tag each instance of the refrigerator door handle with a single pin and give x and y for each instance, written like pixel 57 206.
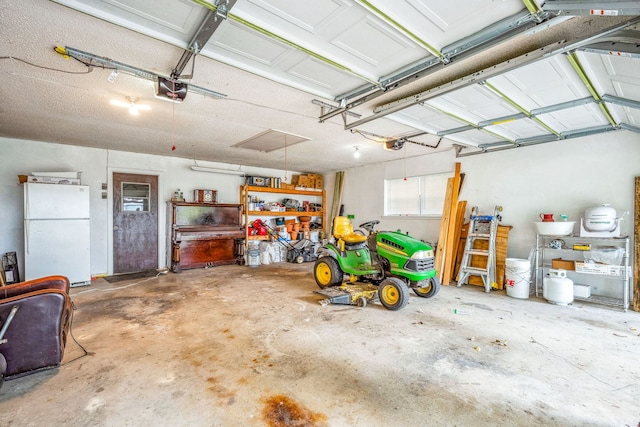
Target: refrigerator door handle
pixel 26 233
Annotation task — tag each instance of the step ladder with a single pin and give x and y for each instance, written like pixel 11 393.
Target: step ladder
pixel 481 227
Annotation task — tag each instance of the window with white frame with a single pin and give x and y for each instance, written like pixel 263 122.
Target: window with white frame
pixel 415 196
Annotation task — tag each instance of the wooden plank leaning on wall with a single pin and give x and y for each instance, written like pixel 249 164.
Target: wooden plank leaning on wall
pixel 442 235
pixel 636 245
pixel 459 221
pixel 450 249
pixel 447 245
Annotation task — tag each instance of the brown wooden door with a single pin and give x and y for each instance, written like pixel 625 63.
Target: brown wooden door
pixel 135 222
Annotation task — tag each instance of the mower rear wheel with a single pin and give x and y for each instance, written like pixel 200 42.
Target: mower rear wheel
pixel 430 290
pixel 393 293
pixel 327 272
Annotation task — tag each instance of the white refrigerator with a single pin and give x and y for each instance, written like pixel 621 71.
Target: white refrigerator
pixel 57 232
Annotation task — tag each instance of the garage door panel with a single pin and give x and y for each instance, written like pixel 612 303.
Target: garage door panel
pixel 625 114
pixel 517 129
pixel 175 24
pixel 236 45
pixel 308 16
pixel 474 137
pixel 386 128
pixel 474 103
pixel 581 117
pixel 613 75
pixel 547 82
pixel 339 30
pixel 254 47
pixel 440 23
pixel 426 118
pixel 357 40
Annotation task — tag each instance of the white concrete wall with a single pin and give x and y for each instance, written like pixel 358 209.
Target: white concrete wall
pixel 364 192
pixel 20 157
pixel 560 177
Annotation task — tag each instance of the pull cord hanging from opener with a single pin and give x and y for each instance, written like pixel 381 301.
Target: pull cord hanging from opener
pixel 173 118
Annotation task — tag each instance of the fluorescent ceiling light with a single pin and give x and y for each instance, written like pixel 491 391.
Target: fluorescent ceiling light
pixel 215 170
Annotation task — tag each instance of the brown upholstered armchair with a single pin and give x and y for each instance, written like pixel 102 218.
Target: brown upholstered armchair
pixel 34 323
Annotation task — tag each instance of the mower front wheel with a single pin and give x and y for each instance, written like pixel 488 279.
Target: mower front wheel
pixel 430 290
pixel 327 272
pixel 393 293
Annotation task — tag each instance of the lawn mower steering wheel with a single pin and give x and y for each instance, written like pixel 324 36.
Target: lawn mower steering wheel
pixel 370 226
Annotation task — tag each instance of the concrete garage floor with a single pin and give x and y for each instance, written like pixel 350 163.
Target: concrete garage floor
pixel 240 346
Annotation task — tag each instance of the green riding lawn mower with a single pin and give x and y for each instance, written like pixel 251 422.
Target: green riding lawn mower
pixel 382 264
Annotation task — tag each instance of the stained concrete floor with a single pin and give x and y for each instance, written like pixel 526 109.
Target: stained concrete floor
pixel 240 346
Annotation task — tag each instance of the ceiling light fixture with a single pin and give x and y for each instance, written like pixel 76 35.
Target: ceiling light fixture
pixel 356 154
pixel 215 170
pixel 134 109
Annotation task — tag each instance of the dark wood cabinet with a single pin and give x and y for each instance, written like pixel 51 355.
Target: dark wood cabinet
pixel 205 235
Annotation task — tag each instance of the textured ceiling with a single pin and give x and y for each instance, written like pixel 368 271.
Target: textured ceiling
pixel 475 74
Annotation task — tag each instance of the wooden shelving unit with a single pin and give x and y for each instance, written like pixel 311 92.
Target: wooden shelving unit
pixel 247 190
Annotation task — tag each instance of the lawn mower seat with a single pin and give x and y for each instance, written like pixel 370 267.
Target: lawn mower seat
pixel 343 231
pixel 34 322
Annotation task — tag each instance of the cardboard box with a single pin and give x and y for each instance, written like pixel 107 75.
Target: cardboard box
pixel 299 180
pixel 602 269
pixel 311 183
pixel 563 264
pixel 581 291
pixel 319 183
pixel 53 180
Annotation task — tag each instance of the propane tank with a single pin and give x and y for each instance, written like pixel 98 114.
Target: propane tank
pixel 557 288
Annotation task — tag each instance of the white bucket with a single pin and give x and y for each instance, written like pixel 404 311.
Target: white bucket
pixel 253 254
pixel 517 277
